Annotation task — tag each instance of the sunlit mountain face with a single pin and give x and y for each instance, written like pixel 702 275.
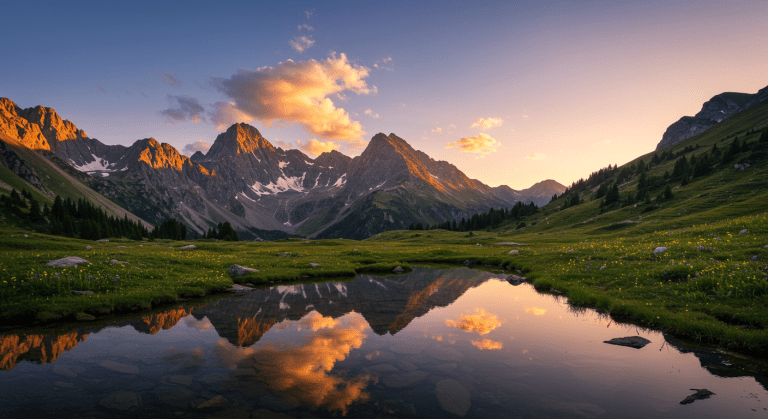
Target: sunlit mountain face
pixel 428 344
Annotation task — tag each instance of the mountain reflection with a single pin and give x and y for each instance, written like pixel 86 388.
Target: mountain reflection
pixel 41 349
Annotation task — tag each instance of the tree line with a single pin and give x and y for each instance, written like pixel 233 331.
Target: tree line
pixel 482 221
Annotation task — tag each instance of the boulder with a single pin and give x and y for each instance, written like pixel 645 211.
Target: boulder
pixel 516 280
pixel 66 262
pixel 237 270
pixel 102 240
pixel 88 247
pixel 745 231
pixel 514 252
pixel 283 255
pixel 700 393
pixel 314 265
pixel 469 262
pixel 636 342
pixel 453 397
pixel 214 403
pixel 398 270
pixel 659 250
pixel 189 246
pixel 118 262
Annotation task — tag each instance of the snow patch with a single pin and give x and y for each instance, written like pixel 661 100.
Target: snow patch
pixel 311 164
pixel 283 184
pixel 284 306
pixel 283 164
pixel 341 181
pixel 98 164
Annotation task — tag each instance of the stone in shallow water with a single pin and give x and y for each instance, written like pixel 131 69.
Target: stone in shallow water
pixel 700 394
pixel 453 397
pixel 406 348
pixel 116 366
pixel 406 366
pixel 176 396
pixel 66 372
pixel 444 353
pixel 631 341
pixel 405 379
pixel 184 380
pixel 214 403
pixel 125 400
pixel 381 369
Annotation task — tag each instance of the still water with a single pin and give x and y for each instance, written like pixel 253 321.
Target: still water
pixel 434 343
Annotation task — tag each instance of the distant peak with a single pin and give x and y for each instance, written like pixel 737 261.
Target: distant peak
pixel 238 138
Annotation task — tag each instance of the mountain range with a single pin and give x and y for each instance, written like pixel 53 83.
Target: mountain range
pixel 263 191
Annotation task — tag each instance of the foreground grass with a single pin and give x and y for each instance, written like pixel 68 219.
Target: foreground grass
pixel 718 294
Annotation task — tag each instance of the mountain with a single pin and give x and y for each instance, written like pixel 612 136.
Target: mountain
pixel 263 190
pixel 714 111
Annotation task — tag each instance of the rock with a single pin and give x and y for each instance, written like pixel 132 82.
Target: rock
pixel 314 265
pixel 659 250
pixel 189 246
pixel 700 394
pixel 754 258
pixel 175 396
pixel 240 288
pixel 66 262
pixel 80 292
pixel 284 254
pixel 478 244
pixel 632 341
pixel 124 400
pixel 398 270
pixel 102 240
pixel 453 397
pixel 514 252
pixel 61 370
pixel 745 231
pixel 237 270
pixel 116 366
pixel 88 247
pixel 404 380
pixel 214 403
pixel 118 262
pixel 602 267
pixel 516 280
pixel 741 166
pixel 469 262
pixel 444 353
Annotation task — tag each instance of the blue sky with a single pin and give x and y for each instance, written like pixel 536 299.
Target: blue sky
pixel 510 92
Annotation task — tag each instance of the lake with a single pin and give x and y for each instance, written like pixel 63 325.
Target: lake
pixel 433 343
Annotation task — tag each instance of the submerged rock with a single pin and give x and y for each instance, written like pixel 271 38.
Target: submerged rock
pixel 237 270
pixel 453 397
pixel 66 262
pixel 700 394
pixel 404 380
pixel 632 341
pixel 216 402
pixel 516 280
pixel 125 400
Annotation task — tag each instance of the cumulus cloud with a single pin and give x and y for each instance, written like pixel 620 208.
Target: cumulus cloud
pixel 481 322
pixel 315 147
pixel 301 43
pixel 183 108
pixel 200 146
pixel 437 130
pixel 306 27
pixel 487 344
pixel 536 311
pixel 225 114
pixel 298 91
pixel 371 114
pixel 171 79
pixel 384 64
pixel 481 144
pixel 317 321
pixel 485 123
pixel 536 156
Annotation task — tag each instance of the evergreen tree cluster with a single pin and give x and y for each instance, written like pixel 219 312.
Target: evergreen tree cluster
pixel 87 221
pixel 170 229
pixel 488 220
pixel 224 232
pixel 18 205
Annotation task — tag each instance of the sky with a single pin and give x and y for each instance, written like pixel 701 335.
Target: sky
pixel 509 92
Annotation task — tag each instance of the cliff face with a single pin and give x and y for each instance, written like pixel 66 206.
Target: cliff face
pixel 713 111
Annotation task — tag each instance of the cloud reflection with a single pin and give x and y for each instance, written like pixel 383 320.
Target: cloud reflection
pixel 481 322
pixel 487 344
pixel 536 311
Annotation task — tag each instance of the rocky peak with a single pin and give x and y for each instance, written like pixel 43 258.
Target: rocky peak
pixel 240 138
pixel 17 130
pixel 52 126
pixel 332 159
pixel 159 156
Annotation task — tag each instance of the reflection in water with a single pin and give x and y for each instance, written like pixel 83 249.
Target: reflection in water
pixel 536 311
pixel 36 348
pixel 412 345
pixel 487 344
pixel 481 322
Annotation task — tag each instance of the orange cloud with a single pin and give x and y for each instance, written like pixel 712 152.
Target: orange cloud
pixel 317 321
pixel 371 113
pixel 536 311
pixel 316 148
pixel 481 144
pixel 536 156
pixel 226 114
pixel 297 92
pixel 481 322
pixel 303 372
pixel 487 344
pixel 485 123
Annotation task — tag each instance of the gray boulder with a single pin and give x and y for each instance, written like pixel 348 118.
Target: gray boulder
pixel 189 246
pixel 636 342
pixel 398 270
pixel 314 265
pixel 659 250
pixel 237 270
pixel 66 262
